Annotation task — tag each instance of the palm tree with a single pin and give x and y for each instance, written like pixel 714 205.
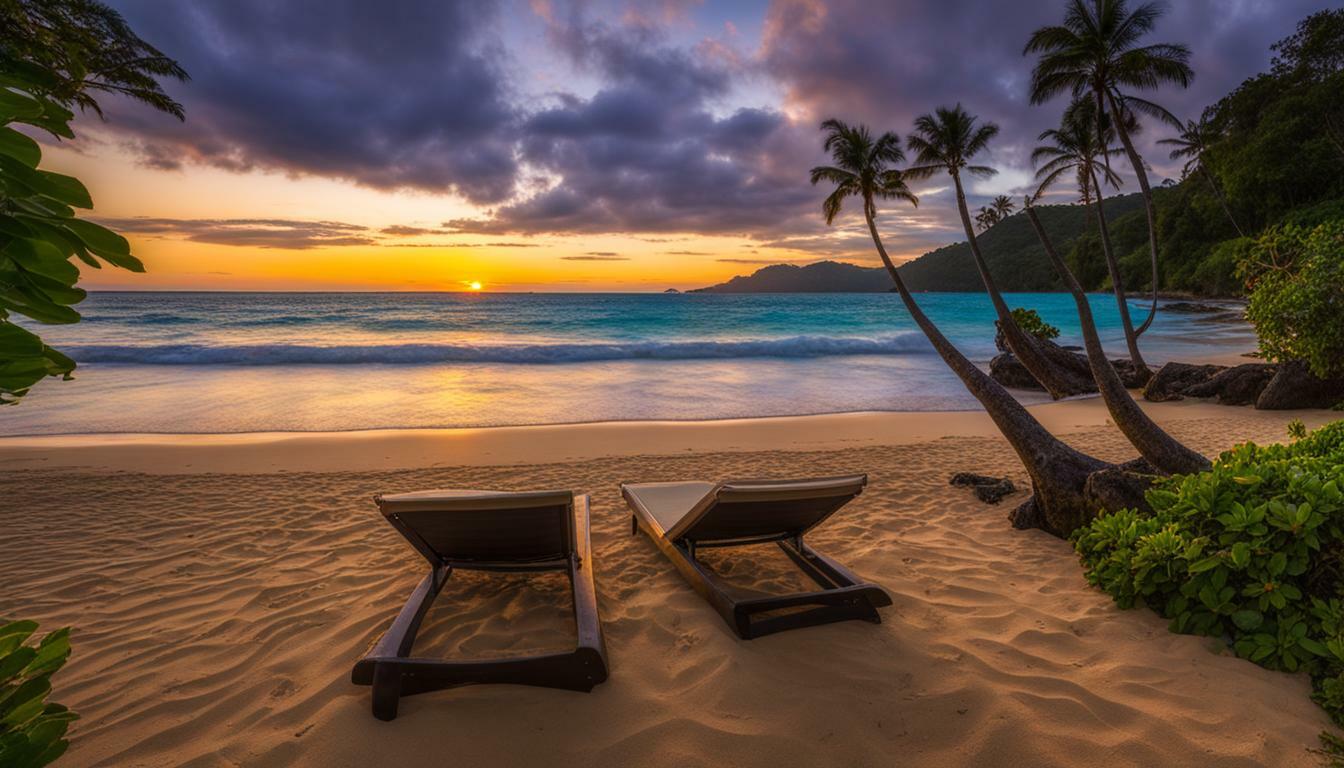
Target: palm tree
pixel 1192 146
pixel 1002 207
pixel 945 142
pixel 986 218
pixel 1076 147
pixel 1096 53
pixel 1160 449
pixel 863 168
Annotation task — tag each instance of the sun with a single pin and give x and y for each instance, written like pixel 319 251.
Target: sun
pixel 474 285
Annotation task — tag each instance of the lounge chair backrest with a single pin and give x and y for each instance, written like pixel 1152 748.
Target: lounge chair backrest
pixel 465 527
pixel 751 509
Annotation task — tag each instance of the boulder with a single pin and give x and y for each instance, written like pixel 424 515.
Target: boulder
pixel 1173 379
pixel 1006 369
pixel 990 490
pixel 1193 307
pixel 1121 487
pixel 1294 386
pixel 1238 385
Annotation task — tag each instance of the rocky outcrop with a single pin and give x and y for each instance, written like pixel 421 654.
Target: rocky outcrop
pixel 990 490
pixel 1006 369
pixel 1173 379
pixel 1192 307
pixel 1122 486
pixel 1295 386
pixel 1238 385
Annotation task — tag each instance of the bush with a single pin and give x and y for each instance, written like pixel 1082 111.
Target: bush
pixel 1251 551
pixel 1030 322
pixel 1296 277
pixel 32 731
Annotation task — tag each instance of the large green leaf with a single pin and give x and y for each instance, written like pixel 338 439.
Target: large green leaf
pixel 105 243
pixel 20 147
pixel 18 106
pixel 43 258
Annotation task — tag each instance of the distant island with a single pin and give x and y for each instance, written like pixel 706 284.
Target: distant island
pixel 1011 248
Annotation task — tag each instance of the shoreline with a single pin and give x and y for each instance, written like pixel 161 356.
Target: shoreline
pixel 383 449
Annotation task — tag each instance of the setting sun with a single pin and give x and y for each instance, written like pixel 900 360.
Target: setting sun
pixel 474 286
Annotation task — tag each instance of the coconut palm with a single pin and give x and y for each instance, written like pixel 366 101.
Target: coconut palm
pixel 1002 207
pixel 1156 446
pixel 1075 147
pixel 863 168
pixel 1096 53
pixel 986 218
pixel 946 142
pixel 1192 146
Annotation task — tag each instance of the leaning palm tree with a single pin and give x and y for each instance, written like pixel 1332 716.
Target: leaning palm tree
pixel 1160 449
pixel 1002 207
pixel 1096 53
pixel 863 168
pixel 1075 147
pixel 1192 146
pixel 945 142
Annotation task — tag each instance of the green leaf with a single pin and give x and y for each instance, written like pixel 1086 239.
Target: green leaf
pixel 105 243
pixel 1248 620
pixel 20 147
pixel 1241 554
pixel 18 106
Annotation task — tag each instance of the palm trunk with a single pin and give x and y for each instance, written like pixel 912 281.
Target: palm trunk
pixel 1018 342
pixel 1160 449
pixel 1058 472
pixel 1118 286
pixel 1218 193
pixel 1137 162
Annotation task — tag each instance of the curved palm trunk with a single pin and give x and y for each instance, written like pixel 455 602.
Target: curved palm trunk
pixel 1019 343
pixel 1117 285
pixel 1160 449
pixel 1148 209
pixel 1058 472
pixel 1218 193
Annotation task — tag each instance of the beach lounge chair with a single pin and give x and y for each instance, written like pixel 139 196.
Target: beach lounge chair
pixel 682 518
pixel 487 531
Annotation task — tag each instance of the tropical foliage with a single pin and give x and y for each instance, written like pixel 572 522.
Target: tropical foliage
pixel 53 56
pixel 1251 551
pixel 1297 279
pixel 32 730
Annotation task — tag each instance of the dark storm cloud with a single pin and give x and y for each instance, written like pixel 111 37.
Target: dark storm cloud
pixel 647 152
pixel 258 233
pixel 391 94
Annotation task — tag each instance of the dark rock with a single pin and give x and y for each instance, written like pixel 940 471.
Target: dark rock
pixel 1294 386
pixel 1238 385
pixel 1173 379
pixel 1010 372
pixel 1027 515
pixel 1119 487
pixel 1130 375
pixel 990 490
pixel 1191 306
pixel 1006 369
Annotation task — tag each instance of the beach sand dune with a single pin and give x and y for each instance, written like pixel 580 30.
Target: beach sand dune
pixel 217 616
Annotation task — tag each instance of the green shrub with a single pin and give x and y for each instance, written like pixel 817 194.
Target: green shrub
pixel 1251 551
pixel 32 730
pixel 1296 278
pixel 1030 322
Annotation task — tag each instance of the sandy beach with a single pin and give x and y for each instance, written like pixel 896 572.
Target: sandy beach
pixel 221 587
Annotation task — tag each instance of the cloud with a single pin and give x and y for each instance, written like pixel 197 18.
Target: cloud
pixel 596 256
pixel 402 230
pixel 258 233
pixel 688 253
pixel 388 95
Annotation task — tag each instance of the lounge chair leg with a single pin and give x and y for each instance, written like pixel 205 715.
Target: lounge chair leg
pixel 386 691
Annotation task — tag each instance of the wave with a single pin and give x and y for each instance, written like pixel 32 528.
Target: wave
pixel 413 354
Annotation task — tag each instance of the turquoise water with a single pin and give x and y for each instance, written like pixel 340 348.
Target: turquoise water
pixel 229 362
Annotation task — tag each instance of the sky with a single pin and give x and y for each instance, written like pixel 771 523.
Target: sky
pixel 566 145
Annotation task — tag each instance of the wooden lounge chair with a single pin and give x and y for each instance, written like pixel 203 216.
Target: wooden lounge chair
pixel 487 531
pixel 684 517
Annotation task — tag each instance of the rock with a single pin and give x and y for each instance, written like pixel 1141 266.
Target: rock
pixel 1238 385
pixel 1294 386
pixel 1191 307
pixel 1009 371
pixel 1027 515
pixel 1129 375
pixel 990 490
pixel 1120 487
pixel 1173 379
pixel 1006 369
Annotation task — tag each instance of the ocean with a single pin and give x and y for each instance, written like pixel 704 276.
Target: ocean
pixel 261 362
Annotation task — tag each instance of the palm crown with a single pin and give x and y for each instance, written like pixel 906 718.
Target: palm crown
pixel 1096 51
pixel 1191 144
pixel 1075 146
pixel 862 167
pixel 946 141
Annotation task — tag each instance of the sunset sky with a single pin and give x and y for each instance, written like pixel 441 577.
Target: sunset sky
pixel 571 146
